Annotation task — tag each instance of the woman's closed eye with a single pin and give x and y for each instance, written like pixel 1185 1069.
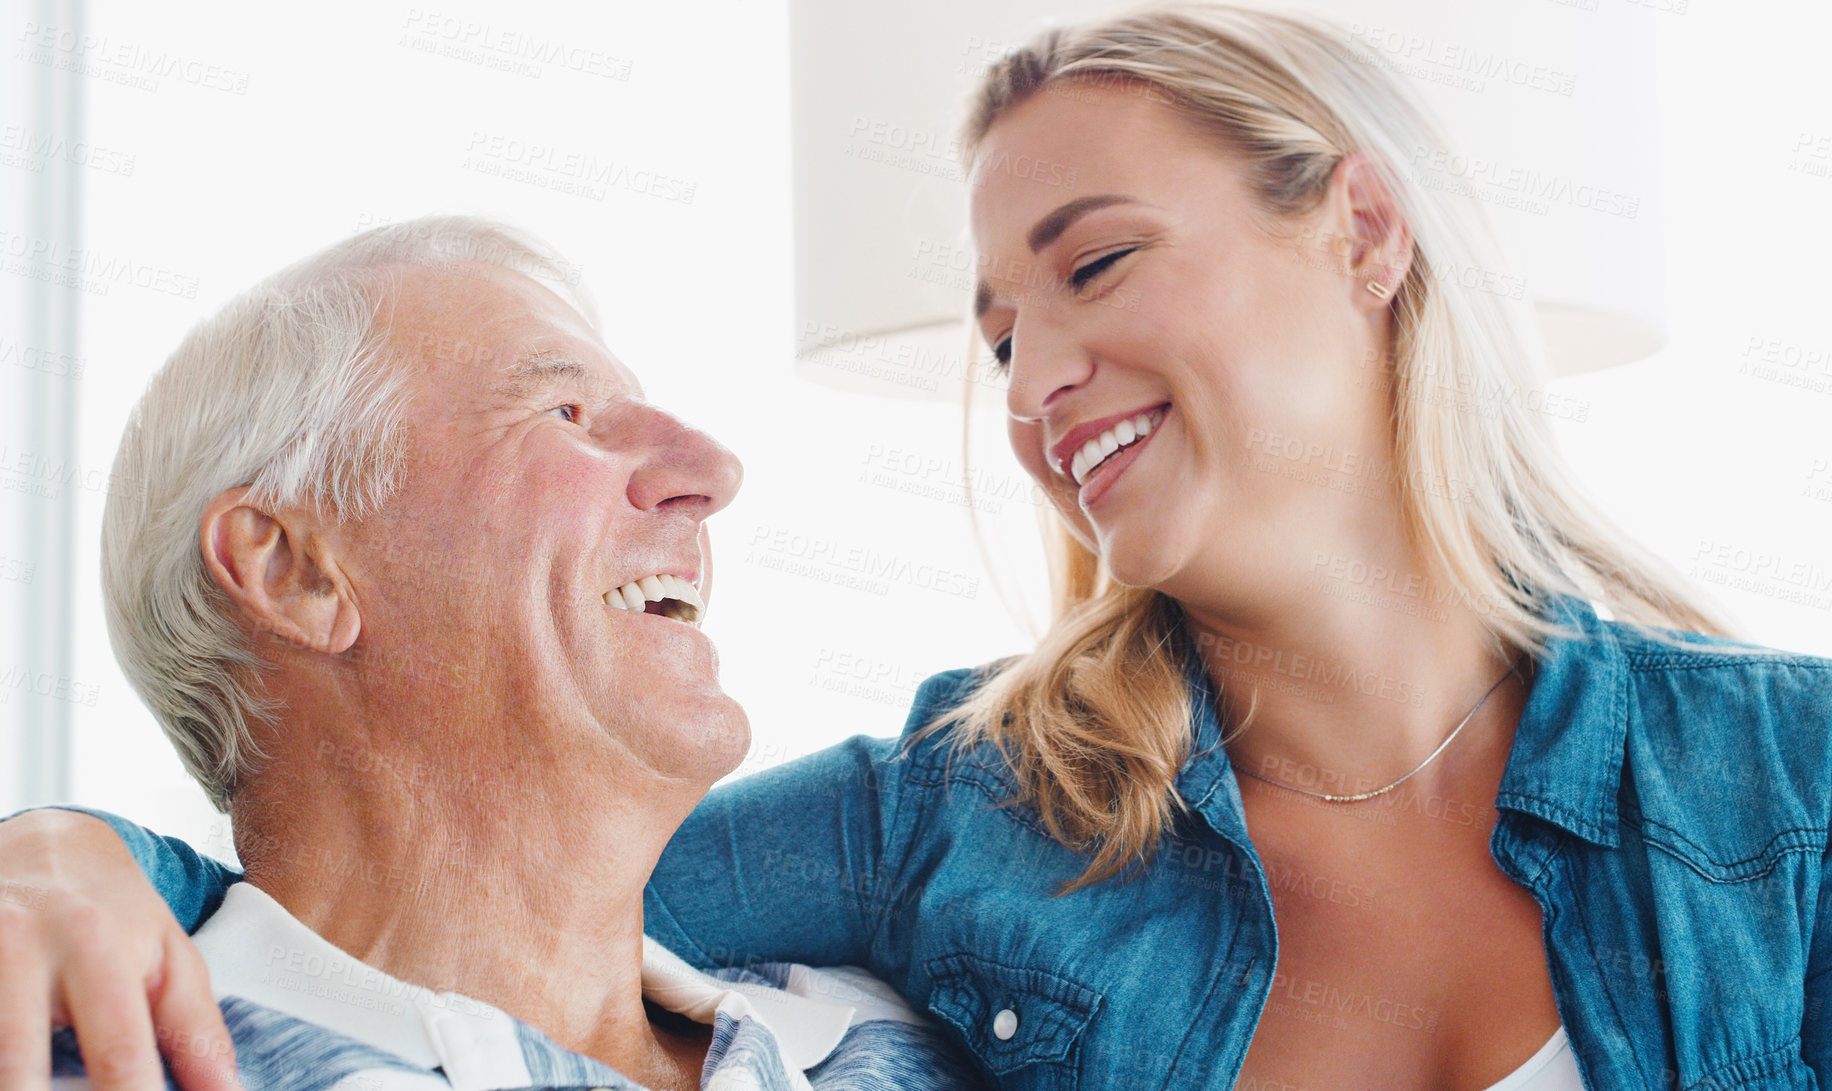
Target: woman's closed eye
pixel 1085 275
pixel 1079 280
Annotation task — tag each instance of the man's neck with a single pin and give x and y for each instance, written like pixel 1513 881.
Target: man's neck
pixel 529 899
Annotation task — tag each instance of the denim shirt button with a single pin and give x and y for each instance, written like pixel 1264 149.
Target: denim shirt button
pixel 1005 1024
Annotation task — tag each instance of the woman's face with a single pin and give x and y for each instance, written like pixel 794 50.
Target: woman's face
pixel 1129 277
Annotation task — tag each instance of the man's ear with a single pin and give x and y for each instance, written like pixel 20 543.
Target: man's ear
pixel 285 580
pixel 1380 240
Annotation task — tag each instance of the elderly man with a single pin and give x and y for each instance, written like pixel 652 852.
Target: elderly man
pixel 414 588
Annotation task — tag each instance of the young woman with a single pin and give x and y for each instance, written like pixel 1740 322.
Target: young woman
pixel 1362 753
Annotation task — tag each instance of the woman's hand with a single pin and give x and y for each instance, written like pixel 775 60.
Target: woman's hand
pixel 85 941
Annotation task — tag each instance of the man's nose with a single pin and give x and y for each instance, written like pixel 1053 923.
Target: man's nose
pixel 687 470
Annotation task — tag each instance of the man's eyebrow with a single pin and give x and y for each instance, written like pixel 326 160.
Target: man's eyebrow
pixel 537 372
pixel 1051 227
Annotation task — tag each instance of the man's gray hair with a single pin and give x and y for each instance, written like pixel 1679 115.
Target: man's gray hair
pixel 290 389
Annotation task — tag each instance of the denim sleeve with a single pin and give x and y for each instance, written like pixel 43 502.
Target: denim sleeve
pixel 779 866
pixel 1816 1027
pixel 190 882
pixel 788 865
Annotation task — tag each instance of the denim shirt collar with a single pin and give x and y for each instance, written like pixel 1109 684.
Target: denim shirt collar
pixel 1565 765
pixel 1207 781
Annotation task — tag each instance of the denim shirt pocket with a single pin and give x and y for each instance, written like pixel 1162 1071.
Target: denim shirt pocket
pixel 1024 1025
pixel 1743 885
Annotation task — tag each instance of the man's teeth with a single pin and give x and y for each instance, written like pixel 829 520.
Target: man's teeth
pixel 1104 446
pixel 680 600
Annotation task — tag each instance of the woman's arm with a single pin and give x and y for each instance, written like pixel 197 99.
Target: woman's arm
pixel 793 864
pixel 780 866
pixel 1816 1028
pixel 85 941
pixel 191 883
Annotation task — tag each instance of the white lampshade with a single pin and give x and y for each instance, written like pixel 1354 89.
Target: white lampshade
pixel 1551 104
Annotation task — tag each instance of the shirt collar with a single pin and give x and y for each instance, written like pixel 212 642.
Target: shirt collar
pixel 1565 765
pixel 1207 780
pixel 258 951
pixel 1566 762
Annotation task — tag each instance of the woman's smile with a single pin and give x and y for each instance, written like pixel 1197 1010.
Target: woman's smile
pixel 1097 463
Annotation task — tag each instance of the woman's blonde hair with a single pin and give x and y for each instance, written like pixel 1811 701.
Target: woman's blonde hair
pixel 1095 721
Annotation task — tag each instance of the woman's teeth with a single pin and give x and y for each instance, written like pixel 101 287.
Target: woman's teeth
pixel 1111 442
pixel 679 599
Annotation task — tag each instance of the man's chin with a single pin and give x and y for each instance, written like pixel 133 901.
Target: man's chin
pixel 731 744
pixel 702 738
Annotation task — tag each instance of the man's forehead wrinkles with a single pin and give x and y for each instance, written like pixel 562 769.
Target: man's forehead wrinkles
pixel 542 369
pixel 545 365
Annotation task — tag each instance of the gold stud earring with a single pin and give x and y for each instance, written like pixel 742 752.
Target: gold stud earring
pixel 1379 291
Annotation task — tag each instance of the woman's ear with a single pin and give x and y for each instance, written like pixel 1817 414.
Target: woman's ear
pixel 284 578
pixel 1380 240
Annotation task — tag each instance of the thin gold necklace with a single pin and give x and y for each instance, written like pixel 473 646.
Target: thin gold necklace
pixel 1359 796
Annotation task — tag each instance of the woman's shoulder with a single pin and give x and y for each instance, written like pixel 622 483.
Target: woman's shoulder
pixel 1727 671
pixel 1747 726
pixel 936 745
pixel 943 692
pixel 1678 647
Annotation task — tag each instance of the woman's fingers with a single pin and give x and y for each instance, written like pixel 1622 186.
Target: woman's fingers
pixel 191 1032
pixel 25 1005
pixel 93 943
pixel 104 989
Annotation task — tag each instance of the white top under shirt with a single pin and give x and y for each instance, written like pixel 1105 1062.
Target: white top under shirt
pixel 1553 1068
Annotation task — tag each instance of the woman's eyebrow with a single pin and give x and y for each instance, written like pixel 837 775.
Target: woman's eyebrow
pixel 1048 229
pixel 1051 227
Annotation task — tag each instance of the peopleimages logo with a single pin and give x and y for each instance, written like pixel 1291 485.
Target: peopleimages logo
pixel 1456 64
pixel 1787 363
pixel 507 49
pixel 935 477
pixel 866 677
pixel 32 358
pixel 1482 178
pixel 1320 675
pixel 19 679
pixel 891 358
pixel 1778 576
pixel 566 170
pixel 32 150
pixel 36 475
pixel 121 62
pixel 860 567
pixel 87 268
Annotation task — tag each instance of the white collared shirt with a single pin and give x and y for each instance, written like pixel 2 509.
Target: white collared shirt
pixel 308 1017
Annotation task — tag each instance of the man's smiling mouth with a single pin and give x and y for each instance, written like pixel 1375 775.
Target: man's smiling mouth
pixel 662 594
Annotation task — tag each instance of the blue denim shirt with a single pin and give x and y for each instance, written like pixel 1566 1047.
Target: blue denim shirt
pixel 1666 806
